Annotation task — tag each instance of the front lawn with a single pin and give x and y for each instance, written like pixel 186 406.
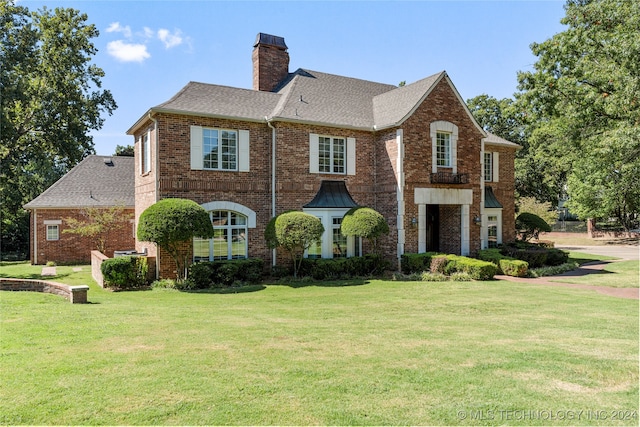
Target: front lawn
pixel 377 353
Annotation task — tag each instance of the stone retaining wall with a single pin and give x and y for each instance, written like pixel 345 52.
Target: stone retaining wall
pixel 75 294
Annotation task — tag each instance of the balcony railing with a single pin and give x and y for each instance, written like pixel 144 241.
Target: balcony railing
pixel 449 178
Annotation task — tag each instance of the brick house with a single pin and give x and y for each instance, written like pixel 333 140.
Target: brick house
pixel 98 182
pixel 322 143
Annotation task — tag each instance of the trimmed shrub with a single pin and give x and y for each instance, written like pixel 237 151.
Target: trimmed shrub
pixel 477 269
pixel 514 267
pixel 531 225
pixel 127 272
pixel 222 274
pixel 343 268
pixel 506 265
pixel 438 263
pixel 556 257
pixel 416 263
pixel 534 255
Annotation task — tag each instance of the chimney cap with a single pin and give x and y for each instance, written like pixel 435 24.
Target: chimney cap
pixel 268 39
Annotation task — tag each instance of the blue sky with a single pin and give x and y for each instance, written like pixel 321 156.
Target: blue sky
pixel 150 49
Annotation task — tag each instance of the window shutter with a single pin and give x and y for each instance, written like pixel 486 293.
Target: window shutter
pixel 243 151
pixel 147 150
pixel 196 148
pixel 496 166
pixel 140 155
pixel 314 143
pixel 351 156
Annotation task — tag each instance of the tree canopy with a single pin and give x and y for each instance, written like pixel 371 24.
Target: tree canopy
pixel 172 224
pixel 583 103
pixel 51 100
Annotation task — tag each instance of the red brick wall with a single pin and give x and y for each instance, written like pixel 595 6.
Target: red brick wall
pixel 504 189
pixel 375 184
pixel 73 248
pixel 270 67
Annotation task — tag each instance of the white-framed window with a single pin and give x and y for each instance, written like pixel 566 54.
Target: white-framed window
pixel 229 240
pixel 443 149
pixel 444 146
pixel 145 153
pixel 491 166
pixel 332 154
pixel 333 243
pixel 492 231
pixel 492 228
pixel 488 167
pixel 53 232
pixel 339 240
pixel 219 149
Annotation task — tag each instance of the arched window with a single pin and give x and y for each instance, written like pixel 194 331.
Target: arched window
pixel 229 239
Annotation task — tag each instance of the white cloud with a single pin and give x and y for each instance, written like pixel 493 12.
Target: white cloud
pixel 170 40
pixel 149 33
pixel 128 52
pixel 115 27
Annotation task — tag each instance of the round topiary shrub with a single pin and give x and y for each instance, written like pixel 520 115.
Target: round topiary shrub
pixel 531 225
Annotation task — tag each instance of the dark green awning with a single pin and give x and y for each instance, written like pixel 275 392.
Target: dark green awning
pixel 490 200
pixel 332 194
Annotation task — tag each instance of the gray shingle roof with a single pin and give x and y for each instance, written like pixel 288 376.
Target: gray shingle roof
pixel 307 97
pixel 92 182
pixel 496 140
pixel 221 101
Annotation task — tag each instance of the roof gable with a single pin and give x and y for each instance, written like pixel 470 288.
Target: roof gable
pixel 91 183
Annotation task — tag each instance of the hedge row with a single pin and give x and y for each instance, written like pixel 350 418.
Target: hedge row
pixel 506 265
pixel 222 274
pixel 475 268
pixel 535 255
pixel 325 269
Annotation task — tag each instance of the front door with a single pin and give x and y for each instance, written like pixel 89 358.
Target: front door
pixel 433 228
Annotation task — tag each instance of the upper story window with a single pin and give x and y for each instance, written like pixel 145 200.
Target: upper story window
pixel 488 167
pixel 219 149
pixel 491 166
pixel 444 146
pixel 145 154
pixel 443 149
pixel 332 154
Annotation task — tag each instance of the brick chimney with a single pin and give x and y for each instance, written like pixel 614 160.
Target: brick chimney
pixel 270 62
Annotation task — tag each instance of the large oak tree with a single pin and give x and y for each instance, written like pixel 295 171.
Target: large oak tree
pixel 51 98
pixel 583 102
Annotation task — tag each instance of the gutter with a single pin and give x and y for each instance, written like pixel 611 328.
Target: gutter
pixel 273 179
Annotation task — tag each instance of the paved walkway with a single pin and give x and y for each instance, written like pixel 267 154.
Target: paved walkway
pixel 622 252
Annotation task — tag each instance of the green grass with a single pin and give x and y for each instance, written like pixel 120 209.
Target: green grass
pixel 374 353
pixel 619 274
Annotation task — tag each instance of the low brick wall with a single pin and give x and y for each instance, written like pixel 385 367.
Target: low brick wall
pixel 75 294
pixel 97 258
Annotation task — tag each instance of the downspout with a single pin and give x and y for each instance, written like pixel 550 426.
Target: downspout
pixel 273 179
pixel 157 181
pixel 35 237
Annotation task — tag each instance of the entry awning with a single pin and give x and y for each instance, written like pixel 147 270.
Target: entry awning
pixel 490 200
pixel 332 194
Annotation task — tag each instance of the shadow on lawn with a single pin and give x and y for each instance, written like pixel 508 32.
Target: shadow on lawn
pixel 306 282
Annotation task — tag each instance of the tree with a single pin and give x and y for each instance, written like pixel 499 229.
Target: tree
pixel 172 224
pixel 542 209
pixel 364 222
pixel 531 225
pixel 98 224
pixel 124 151
pixel 51 98
pixel 583 100
pixel 295 232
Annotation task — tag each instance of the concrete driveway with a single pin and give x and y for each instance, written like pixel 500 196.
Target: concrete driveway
pixel 618 251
